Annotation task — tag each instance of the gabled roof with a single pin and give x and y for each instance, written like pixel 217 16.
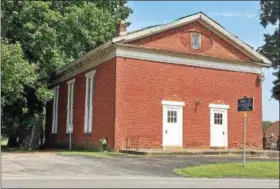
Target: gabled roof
pixel 206 21
pixel 201 17
pixel 273 128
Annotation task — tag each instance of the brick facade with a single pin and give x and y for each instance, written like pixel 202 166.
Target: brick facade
pixel 128 94
pixel 103 109
pixel 142 85
pixel 180 38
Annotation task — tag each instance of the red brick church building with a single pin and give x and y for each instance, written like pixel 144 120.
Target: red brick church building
pixel 171 85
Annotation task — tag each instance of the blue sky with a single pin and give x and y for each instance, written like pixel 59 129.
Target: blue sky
pixel 239 17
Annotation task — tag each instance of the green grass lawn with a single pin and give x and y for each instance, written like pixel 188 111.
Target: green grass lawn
pixel 221 170
pixel 85 153
pixel 95 154
pixel 63 152
pixel 4 142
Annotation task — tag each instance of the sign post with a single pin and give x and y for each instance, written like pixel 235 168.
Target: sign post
pixel 245 104
pixel 244 139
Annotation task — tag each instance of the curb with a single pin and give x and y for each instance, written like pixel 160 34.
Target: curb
pixel 250 153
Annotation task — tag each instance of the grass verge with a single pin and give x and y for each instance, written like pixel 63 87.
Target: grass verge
pixel 4 142
pixel 225 170
pixel 64 152
pixel 85 153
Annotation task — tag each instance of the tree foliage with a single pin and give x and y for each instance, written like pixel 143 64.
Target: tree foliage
pixel 270 15
pixel 265 125
pixel 39 37
pixel 16 74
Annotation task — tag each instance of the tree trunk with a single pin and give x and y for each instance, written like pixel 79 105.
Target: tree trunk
pixel 42 138
pixel 35 134
pixel 21 135
pixel 12 141
pixel 13 135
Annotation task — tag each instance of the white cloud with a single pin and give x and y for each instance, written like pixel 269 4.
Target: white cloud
pixel 250 15
pixel 233 14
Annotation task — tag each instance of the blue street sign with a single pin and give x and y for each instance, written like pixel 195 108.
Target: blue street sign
pixel 245 104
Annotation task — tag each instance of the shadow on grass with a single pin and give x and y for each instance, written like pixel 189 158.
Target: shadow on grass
pixel 65 152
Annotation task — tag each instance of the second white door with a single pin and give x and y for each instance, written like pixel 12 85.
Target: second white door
pixel 218 128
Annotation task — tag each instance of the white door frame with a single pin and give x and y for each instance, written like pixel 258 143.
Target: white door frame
pixel 176 105
pixel 223 108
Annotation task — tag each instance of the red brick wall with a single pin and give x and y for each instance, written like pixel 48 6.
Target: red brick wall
pixel 128 95
pixel 142 85
pixel 103 108
pixel 179 40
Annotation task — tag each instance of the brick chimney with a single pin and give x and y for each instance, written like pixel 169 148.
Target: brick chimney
pixel 121 28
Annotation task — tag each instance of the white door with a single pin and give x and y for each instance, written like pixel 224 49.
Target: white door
pixel 218 128
pixel 172 126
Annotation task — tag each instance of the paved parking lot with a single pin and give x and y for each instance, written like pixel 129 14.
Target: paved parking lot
pixel 51 164
pixel 49 170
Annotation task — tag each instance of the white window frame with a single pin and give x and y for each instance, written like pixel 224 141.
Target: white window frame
pixel 70 100
pixel 88 123
pixel 55 109
pixel 192 40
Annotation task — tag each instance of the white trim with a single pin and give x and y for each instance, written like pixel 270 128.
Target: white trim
pixel 90 74
pixel 192 34
pixel 189 19
pixel 132 51
pixel 86 108
pixel 235 39
pixel 173 103
pixel 56 87
pixel 70 105
pixel 219 106
pixel 178 106
pixel 71 81
pixel 224 109
pixel 84 58
pixel 55 109
pixel 82 66
pixel 174 58
pixel 157 29
pixel 105 52
pixel 88 120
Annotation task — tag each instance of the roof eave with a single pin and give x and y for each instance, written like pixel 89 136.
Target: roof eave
pixel 83 58
pixel 157 29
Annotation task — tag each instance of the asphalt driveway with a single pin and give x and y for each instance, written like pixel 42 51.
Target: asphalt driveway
pixel 51 164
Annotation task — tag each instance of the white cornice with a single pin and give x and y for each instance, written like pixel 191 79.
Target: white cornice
pixel 155 55
pixel 83 66
pixel 228 36
pixel 157 29
pixel 189 60
pixel 132 51
pixel 94 52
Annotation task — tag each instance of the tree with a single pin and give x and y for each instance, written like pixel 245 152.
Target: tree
pixel 265 125
pixel 16 74
pixel 270 15
pixel 47 35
